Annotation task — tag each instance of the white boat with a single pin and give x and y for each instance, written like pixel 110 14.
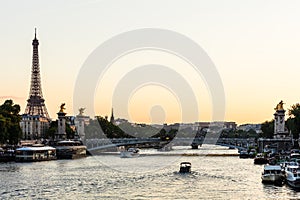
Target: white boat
pixel 292 173
pixel 38 153
pixel 272 174
pixel 129 153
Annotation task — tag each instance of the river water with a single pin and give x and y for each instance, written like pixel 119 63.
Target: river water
pixel 153 175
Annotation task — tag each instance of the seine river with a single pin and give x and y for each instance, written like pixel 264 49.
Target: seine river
pixel 151 176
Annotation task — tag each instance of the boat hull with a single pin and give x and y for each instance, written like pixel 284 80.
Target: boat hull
pixel 272 178
pixel 32 159
pixel 7 158
pixel 70 152
pixel 260 161
pixel 185 170
pixel 127 154
pixel 294 183
pixel 242 155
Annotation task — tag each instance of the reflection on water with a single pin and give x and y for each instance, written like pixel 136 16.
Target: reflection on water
pixel 146 177
pixel 8 168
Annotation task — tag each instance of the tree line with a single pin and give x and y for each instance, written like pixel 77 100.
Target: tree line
pixel 10 131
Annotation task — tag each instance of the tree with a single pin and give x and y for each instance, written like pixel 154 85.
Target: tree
pixel 53 129
pixel 93 130
pixel 10 131
pixel 252 133
pixel 293 122
pixel 110 130
pixel 138 130
pixel 267 129
pixel 50 133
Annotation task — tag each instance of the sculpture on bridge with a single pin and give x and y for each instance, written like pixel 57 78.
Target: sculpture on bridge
pixel 81 111
pixel 62 107
pixel 279 106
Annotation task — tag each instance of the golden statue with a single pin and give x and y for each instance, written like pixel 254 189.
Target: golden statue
pixel 62 107
pixel 81 111
pixel 279 106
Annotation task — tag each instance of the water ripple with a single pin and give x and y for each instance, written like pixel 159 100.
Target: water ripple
pixel 211 178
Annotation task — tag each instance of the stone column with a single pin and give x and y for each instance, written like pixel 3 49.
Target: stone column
pixel 61 125
pixel 279 122
pixel 79 123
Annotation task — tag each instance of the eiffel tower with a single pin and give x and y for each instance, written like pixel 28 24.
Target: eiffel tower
pixel 35 120
pixel 36 102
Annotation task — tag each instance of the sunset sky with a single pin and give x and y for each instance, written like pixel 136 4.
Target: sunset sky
pixel 254 45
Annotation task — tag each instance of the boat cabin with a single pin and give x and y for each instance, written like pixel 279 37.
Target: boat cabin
pixel 30 154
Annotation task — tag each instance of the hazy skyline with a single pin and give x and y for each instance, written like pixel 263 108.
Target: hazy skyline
pixel 253 44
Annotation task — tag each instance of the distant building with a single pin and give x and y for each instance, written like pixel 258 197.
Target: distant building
pixel 120 121
pixel 198 125
pixel 34 126
pixel 248 127
pixel 158 126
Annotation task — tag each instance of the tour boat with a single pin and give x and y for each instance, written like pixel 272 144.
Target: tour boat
pixel 70 149
pixel 292 173
pixel 35 153
pixel 129 153
pixel 272 174
pixel 185 167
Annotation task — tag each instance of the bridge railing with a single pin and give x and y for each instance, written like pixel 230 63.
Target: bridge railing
pixel 91 143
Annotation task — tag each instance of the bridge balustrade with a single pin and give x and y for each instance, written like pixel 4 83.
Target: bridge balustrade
pixel 106 142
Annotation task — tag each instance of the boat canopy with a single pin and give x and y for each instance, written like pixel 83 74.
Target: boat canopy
pixel 35 148
pixel 185 163
pixel 69 143
pixel 272 167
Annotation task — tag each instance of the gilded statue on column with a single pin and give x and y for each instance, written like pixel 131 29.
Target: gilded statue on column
pixel 279 106
pixel 62 107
